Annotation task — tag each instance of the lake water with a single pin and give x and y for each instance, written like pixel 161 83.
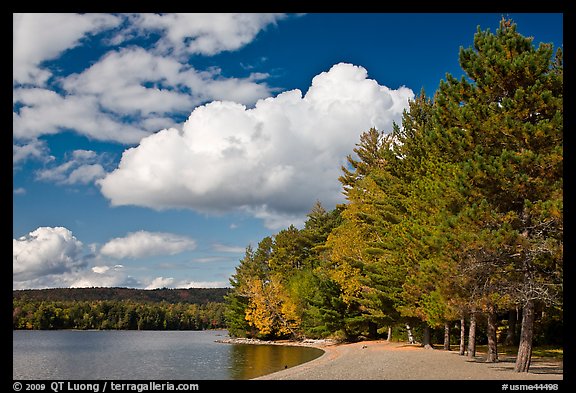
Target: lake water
pixel 146 355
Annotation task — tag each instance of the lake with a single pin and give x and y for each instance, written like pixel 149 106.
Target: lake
pixel 146 355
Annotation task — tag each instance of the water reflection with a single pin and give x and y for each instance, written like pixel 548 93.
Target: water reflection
pixel 251 361
pixel 145 355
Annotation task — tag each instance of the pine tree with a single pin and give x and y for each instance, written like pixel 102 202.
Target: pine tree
pixel 356 262
pixel 431 199
pixel 458 211
pixel 504 126
pixel 368 153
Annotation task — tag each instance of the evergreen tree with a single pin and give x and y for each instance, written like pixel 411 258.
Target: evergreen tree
pixel 504 124
pixel 368 153
pixel 457 211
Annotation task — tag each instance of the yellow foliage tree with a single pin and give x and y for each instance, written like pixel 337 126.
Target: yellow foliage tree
pixel 270 309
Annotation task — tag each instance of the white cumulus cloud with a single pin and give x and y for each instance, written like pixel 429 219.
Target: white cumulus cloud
pixel 46 251
pixel 143 244
pixel 272 161
pixel 52 257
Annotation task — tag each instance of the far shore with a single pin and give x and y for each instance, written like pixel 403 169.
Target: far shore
pixel 382 360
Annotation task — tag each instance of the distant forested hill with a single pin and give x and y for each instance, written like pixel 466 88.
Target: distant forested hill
pixel 192 295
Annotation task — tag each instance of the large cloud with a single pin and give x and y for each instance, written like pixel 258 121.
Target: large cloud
pixel 272 161
pixel 144 244
pixel 46 251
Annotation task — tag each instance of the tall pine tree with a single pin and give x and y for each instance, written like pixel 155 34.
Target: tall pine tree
pixel 504 123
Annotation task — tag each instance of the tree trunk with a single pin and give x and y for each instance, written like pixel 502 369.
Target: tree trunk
pixel 372 330
pixel 447 336
pixel 526 335
pixel 472 335
pixel 410 335
pixel 491 333
pixel 389 338
pixel 426 338
pixel 511 333
pixel 462 335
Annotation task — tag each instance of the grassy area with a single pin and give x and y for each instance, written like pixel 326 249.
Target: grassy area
pixel 548 351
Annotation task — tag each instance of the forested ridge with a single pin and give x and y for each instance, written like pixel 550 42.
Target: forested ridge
pixel 119 308
pixel 188 295
pixel 452 230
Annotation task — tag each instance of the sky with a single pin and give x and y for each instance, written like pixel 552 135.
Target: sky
pixel 149 150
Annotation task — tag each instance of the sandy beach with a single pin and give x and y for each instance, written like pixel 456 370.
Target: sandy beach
pixel 381 360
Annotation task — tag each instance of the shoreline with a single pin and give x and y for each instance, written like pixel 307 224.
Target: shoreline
pixel 320 343
pixel 382 360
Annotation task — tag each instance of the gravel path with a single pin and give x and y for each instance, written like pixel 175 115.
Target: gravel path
pixel 380 360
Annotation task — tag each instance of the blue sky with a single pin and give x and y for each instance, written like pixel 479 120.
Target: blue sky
pixel 150 150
